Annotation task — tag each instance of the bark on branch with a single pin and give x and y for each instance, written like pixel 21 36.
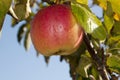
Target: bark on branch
pixel 97 60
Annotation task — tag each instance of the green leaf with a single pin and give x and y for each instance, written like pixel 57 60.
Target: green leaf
pixel 21 32
pixel 115 6
pixel 108 18
pixel 114 63
pixel 14 22
pixel 108 21
pixel 83 1
pixel 114 45
pixel 21 1
pixel 84 64
pixel 4 7
pixel 95 73
pixel 22 9
pixel 27 41
pixel 114 39
pixel 116 28
pixel 81 78
pixel 47 59
pixel 89 21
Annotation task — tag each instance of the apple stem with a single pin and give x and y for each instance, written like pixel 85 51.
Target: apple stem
pixel 97 60
pixel 57 1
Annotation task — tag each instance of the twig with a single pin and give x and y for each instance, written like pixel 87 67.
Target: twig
pixel 98 62
pixel 48 1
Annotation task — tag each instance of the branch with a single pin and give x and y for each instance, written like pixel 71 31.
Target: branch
pixel 98 62
pixel 48 1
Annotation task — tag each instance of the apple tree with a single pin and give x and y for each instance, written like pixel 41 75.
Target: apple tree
pixel 97 56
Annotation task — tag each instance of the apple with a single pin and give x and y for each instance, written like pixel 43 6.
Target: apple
pixel 55 31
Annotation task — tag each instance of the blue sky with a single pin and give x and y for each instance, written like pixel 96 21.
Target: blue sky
pixel 17 64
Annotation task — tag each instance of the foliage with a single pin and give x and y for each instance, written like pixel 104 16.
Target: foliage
pixel 100 50
pixel 3 11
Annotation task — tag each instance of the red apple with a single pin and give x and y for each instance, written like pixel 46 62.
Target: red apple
pixel 54 30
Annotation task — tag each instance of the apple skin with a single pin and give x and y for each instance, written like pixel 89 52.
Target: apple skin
pixel 55 31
